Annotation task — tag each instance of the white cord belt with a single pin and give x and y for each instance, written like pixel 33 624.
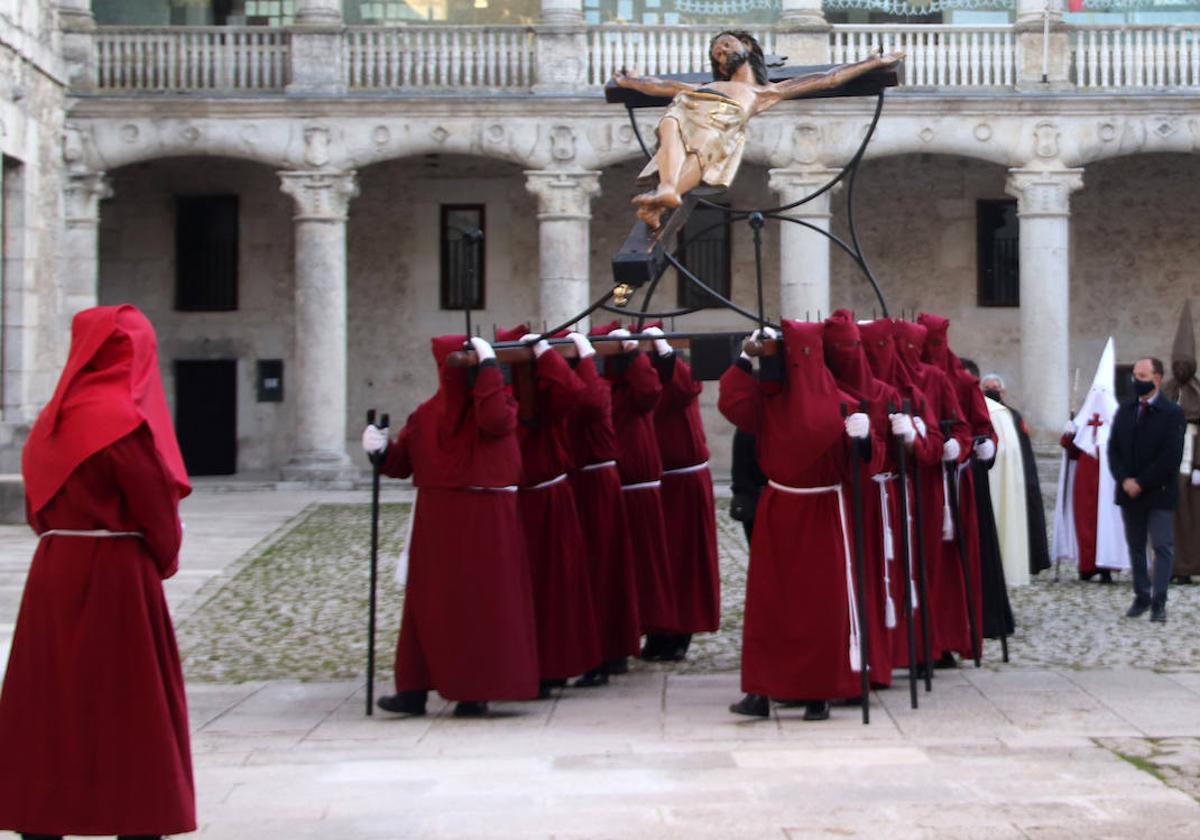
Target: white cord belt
pixel 509 488
pixel 97 534
pixel 642 485
pixel 947 515
pixel 599 465
pixel 682 470
pixel 543 485
pixel 856 664
pixel 889 547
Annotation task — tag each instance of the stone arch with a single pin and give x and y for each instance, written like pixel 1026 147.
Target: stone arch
pixel 1113 136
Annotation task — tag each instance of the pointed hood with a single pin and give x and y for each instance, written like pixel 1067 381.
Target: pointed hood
pixel 937 340
pixel 844 354
pixel 1094 418
pixel 1184 348
pixel 1183 387
pixel 910 346
pixel 879 345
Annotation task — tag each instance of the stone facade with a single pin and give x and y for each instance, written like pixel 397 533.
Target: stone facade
pixel 340 194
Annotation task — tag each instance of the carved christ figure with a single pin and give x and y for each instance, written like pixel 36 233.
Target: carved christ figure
pixel 702 135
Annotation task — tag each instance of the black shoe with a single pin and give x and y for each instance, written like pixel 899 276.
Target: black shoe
pixel 593 678
pixel 818 710
pixel 1138 609
pixel 403 703
pixel 618 666
pixel 1159 614
pixel 470 708
pixel 652 649
pixel 1182 580
pixel 752 705
pixel 675 650
pixel 1086 575
pixel 544 689
pixel 946 661
pixel 1106 576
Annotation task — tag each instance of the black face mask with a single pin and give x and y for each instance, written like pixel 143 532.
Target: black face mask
pixel 1143 387
pixel 992 393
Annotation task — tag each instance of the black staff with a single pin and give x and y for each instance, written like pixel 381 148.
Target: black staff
pixel 906 560
pixel 376 465
pixel 922 587
pixel 864 644
pixel 960 540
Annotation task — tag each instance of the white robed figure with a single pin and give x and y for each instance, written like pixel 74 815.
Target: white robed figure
pixel 1092 425
pixel 1006 479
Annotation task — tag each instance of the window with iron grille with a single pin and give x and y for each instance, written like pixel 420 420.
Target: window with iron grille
pixel 206 253
pixel 462 258
pixel 999 241
pixel 703 248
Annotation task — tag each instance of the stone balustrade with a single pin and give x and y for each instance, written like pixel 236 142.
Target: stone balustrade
pixel 936 56
pixel 1137 56
pixel 433 58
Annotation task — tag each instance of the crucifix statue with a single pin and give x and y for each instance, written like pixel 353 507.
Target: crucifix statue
pixel 702 136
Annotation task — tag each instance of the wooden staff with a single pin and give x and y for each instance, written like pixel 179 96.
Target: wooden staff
pixel 864 642
pixel 376 467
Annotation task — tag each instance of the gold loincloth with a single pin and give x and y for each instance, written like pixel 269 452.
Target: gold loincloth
pixel 713 128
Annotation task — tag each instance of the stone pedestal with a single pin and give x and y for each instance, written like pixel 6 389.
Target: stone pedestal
pixel 1043 207
pixel 319 366
pixel 803 254
pixel 564 215
pixel 803 32
pixel 1044 56
pixel 77 24
pixel 316 49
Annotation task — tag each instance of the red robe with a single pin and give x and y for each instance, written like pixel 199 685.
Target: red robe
pixel 1084 501
pixel 974 411
pixel 601 505
pixel 687 498
pixel 848 363
pixel 93 720
pixel 947 593
pixel 562 596
pixel 925 455
pixel 796 639
pixel 635 394
pixel 468 624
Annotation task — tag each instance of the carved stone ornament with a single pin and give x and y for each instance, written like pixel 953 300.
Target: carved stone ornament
pixel 316 146
pixel 562 143
pixel 806 143
pixel 983 132
pixel 926 134
pixel 82 195
pixel 1107 132
pixel 1045 140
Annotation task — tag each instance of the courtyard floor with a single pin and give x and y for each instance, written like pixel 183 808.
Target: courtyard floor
pixel 1092 731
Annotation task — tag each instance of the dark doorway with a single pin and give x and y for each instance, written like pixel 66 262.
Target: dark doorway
pixel 206 415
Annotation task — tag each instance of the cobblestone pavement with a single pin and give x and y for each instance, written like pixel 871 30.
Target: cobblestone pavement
pixel 296 609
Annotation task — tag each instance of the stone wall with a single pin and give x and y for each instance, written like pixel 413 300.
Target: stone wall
pixel 137 265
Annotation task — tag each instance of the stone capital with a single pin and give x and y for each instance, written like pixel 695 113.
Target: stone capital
pixel 320 196
pixel 1043 193
pixel 1031 14
pixel 795 184
pixel 563 194
pixel 801 15
pixel 82 194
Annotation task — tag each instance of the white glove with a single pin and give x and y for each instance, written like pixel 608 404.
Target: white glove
pixel 985 450
pixel 661 347
pixel 951 450
pixel 539 347
pixel 858 425
pixel 583 347
pixel 1196 478
pixel 1069 429
pixel 920 426
pixel 374 439
pixel 626 346
pixel 482 349
pixel 759 335
pixel 903 428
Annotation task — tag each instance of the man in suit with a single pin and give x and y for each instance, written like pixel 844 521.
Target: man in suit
pixel 1143 454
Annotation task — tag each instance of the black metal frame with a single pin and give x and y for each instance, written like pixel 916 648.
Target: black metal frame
pixel 755 218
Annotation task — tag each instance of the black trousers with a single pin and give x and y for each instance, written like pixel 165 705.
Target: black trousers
pixel 1159 527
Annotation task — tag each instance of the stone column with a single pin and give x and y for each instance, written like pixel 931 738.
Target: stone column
pixel 561 48
pixel 316 49
pixel 1044 62
pixel 564 215
pixel 803 32
pixel 1044 207
pixel 79 258
pixel 319 362
pixel 78 47
pixel 803 254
